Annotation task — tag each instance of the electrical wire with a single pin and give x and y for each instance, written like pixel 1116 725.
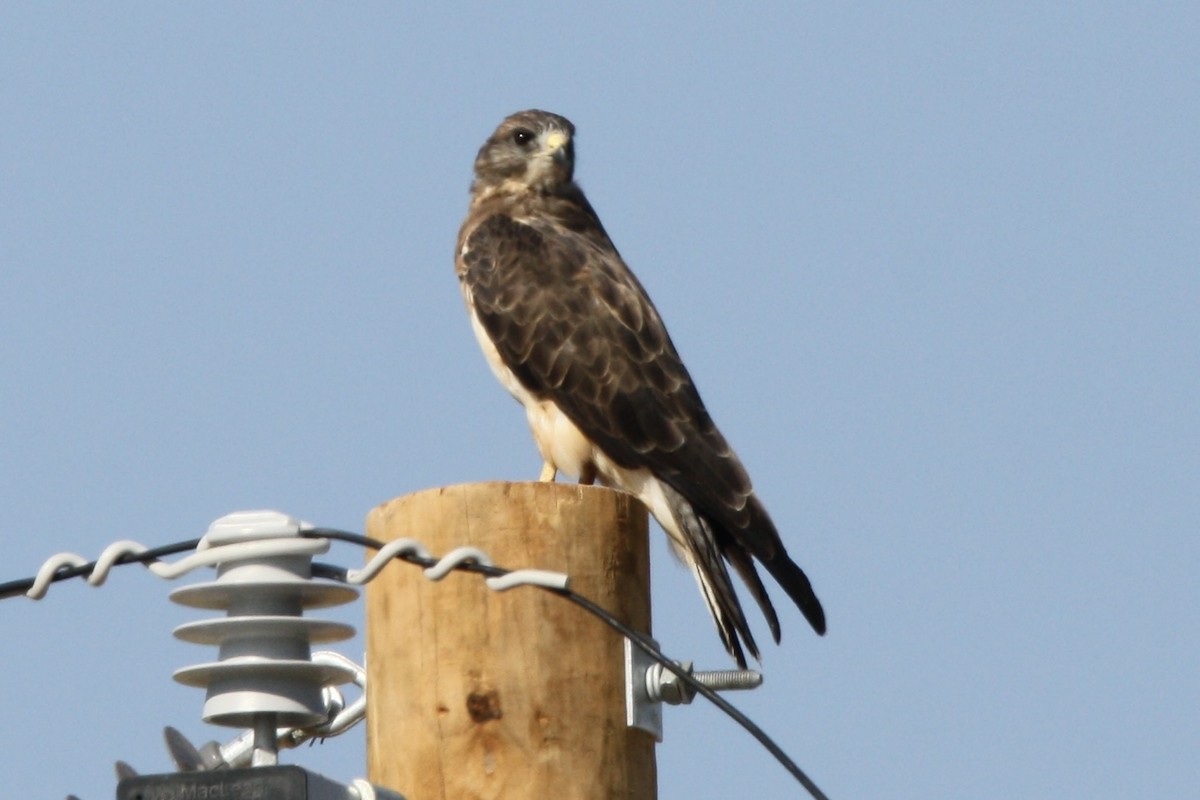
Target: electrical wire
pixel 16 588
pixel 643 642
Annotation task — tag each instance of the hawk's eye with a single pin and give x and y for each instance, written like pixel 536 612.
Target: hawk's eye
pixel 523 137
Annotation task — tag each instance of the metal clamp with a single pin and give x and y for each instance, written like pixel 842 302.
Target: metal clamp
pixel 648 684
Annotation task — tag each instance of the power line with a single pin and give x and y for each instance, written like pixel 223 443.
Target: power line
pixel 640 640
pixel 647 645
pixel 16 588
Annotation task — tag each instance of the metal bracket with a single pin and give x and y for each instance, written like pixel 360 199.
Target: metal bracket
pixel 640 711
pixel 648 684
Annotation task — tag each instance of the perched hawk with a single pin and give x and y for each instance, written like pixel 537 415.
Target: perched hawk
pixel 569 331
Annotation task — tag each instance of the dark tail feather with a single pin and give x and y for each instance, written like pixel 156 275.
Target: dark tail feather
pixel 732 630
pixel 744 564
pixel 704 553
pixel 795 583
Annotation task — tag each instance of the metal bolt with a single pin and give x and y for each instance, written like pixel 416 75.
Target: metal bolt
pixel 729 679
pixel 665 686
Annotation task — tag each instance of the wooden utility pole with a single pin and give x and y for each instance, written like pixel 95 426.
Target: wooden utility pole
pixel 516 695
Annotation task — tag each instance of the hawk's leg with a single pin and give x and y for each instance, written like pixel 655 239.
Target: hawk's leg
pixel 587 476
pixel 549 472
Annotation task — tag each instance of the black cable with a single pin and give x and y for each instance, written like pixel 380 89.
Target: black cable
pixel 22 585
pixel 711 695
pixel 643 642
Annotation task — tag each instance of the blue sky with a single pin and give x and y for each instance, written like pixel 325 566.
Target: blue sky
pixel 935 269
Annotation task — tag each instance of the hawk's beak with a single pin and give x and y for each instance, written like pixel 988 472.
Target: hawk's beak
pixel 556 146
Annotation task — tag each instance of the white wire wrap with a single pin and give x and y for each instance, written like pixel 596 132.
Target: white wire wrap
pixel 447 564
pixel 397 547
pixel 207 555
pixel 459 555
pixel 169 570
pixel 528 577
pixel 364 790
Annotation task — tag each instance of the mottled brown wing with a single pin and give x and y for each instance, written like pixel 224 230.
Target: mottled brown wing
pixel 574 325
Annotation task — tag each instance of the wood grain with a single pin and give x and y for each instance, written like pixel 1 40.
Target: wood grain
pixel 477 694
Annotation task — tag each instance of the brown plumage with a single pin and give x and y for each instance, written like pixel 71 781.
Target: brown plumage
pixel 569 331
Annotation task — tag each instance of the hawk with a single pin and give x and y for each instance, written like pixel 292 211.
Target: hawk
pixel 571 334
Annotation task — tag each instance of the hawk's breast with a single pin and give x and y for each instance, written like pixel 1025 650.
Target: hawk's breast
pixel 559 440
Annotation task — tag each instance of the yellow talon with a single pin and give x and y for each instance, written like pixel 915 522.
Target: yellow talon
pixel 549 472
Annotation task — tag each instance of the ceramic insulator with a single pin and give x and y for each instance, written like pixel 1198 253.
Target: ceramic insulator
pixel 265 669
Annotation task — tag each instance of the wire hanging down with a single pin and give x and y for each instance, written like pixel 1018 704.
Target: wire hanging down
pixel 316 540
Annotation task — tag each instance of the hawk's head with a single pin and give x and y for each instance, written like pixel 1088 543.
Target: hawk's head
pixel 531 151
